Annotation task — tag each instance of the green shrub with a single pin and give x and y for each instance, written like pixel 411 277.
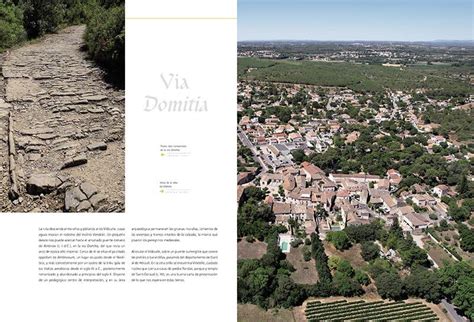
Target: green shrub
pixel 296 243
pixel 306 254
pixel 362 278
pixel 369 251
pixel 42 16
pixel 105 40
pixel 79 11
pixel 339 239
pixel 11 25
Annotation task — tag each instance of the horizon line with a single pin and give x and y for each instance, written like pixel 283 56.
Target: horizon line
pixel 359 40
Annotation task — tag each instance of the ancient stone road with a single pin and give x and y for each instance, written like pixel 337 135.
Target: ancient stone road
pixel 61 130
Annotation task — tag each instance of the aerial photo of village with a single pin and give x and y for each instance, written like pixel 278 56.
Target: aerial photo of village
pixel 355 183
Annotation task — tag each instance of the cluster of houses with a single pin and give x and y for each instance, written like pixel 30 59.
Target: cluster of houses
pixel 315 135
pixel 275 139
pixel 321 202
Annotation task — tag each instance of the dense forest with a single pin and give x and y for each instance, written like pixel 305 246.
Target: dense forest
pixel 358 77
pixel 24 20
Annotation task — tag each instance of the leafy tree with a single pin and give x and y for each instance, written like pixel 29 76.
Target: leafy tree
pixel 11 25
pixel 339 239
pixel 244 268
pixel 324 285
pixel 333 262
pixel 296 242
pixel 323 288
pixel 450 274
pixel 42 16
pixel 411 254
pixel 362 277
pixel 274 255
pixel 443 225
pixel 467 238
pixel 258 281
pixel 361 233
pixel 423 283
pixel 389 285
pixel 105 40
pixel 458 213
pixel 464 298
pixel 78 11
pixel 396 230
pixel 380 266
pixel 298 156
pixel 469 204
pixel 250 239
pixel 345 268
pixel 287 293
pixel 253 219
pixel 254 193
pixel 266 282
pixel 463 185
pixel 306 254
pixel 369 251
pixel 346 286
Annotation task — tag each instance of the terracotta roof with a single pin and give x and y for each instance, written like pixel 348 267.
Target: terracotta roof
pixel 298 209
pixel 272 176
pixel 355 175
pixel 280 208
pixel 343 193
pixel 416 219
pixel 406 210
pixel 268 200
pixel 311 169
pixel 442 187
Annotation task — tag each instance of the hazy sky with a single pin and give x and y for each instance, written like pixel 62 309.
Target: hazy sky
pixel 405 20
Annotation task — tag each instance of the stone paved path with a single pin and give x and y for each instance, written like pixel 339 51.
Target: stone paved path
pixel 61 130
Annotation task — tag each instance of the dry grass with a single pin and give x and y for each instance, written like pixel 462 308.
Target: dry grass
pixel 469 257
pixel 352 254
pixel 252 313
pixel 305 271
pixel 246 250
pixel 438 254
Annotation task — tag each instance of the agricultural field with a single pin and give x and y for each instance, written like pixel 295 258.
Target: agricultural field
pixel 361 310
pixel 358 77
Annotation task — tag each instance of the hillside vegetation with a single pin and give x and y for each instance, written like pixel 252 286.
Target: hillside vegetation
pixel 22 20
pixel 358 77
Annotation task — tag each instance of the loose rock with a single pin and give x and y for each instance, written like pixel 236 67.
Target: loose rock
pixel 73 162
pixel 42 183
pixel 97 146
